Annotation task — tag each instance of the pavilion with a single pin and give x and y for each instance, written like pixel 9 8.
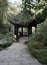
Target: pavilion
pixel 24 19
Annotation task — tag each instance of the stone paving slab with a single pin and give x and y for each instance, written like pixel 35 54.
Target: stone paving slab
pixel 17 54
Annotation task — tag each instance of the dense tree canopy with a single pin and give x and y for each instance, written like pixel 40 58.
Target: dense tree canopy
pixel 35 4
pixel 3 8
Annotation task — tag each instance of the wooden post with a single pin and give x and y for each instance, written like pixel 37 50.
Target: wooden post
pixel 36 28
pixel 17 34
pixel 16 31
pixel 29 30
pixel 22 31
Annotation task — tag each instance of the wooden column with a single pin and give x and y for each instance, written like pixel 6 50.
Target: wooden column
pixel 29 30
pixel 35 28
pixel 16 31
pixel 22 31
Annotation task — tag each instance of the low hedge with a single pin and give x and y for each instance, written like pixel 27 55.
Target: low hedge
pixel 38 50
pixel 41 55
pixel 4 43
pixel 6 40
pixel 36 45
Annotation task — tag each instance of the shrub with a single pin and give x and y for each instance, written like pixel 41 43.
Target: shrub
pixel 37 43
pixel 5 43
pixel 41 55
pixel 6 28
pixel 6 40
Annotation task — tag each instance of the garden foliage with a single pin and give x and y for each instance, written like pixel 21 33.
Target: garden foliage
pixel 37 43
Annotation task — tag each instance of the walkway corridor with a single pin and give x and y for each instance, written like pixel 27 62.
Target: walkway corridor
pixel 17 54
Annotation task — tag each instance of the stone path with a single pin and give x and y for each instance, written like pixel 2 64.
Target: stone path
pixel 17 54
